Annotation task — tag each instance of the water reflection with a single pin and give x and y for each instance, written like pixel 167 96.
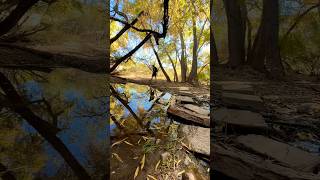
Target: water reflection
pixel 69 114
pixel 139 123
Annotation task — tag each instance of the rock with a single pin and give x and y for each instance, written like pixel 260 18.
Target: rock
pixel 165 156
pixel 285 154
pixel 271 98
pixel 197 109
pixel 183 88
pixel 188 176
pixel 243 101
pixel 197 137
pixel 309 108
pixel 238 88
pixel 184 99
pixel 186 93
pixel 240 119
pixel 188 115
pixel 240 163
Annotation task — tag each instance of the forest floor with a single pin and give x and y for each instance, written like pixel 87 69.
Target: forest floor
pixel 283 113
pixel 269 122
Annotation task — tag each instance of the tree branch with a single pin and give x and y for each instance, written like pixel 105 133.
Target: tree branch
pixel 125 28
pixel 120 60
pixel 297 20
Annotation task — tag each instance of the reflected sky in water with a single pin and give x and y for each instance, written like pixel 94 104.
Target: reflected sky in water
pixel 83 123
pixel 139 97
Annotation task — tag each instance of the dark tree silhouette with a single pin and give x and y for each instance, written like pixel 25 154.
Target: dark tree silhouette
pixel 150 33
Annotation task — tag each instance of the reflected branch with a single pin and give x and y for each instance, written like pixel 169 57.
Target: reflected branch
pixel 125 104
pixel 45 129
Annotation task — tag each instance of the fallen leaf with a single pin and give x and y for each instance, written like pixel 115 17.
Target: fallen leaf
pixel 181 172
pixel 119 142
pixel 136 173
pixel 178 163
pixel 152 177
pixel 143 161
pixel 117 157
pixel 157 165
pixel 183 144
pixel 128 143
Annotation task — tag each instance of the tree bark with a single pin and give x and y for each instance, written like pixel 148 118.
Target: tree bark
pixel 265 54
pixel 213 45
pixel 176 79
pixel 236 32
pixel 159 62
pixel 183 59
pixel 194 67
pixel 13 18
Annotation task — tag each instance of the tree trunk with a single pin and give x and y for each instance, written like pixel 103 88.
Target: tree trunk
pixel 194 67
pixel 213 45
pixel 183 58
pixel 13 18
pixel 176 79
pixel 266 51
pixel 236 32
pixel 159 62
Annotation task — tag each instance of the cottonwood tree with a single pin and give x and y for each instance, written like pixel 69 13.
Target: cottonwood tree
pixel 265 54
pixel 236 31
pixel 121 17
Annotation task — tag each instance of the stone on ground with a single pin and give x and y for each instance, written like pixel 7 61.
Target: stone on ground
pixel 197 109
pixel 238 88
pixel 285 154
pixel 188 176
pixel 240 118
pixel 243 101
pixel 309 108
pixel 189 115
pixel 184 88
pixel 197 137
pixel 184 99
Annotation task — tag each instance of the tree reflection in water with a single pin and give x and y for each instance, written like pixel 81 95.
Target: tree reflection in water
pixel 52 127
pixel 137 112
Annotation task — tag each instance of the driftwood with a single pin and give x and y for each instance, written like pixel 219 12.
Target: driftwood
pixel 243 165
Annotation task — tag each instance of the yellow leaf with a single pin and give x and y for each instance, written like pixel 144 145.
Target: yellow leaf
pixel 157 165
pixel 152 177
pixel 178 163
pixel 136 173
pixel 143 161
pixel 181 172
pixel 183 144
pixel 119 142
pixel 117 156
pixel 136 157
pixel 128 143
